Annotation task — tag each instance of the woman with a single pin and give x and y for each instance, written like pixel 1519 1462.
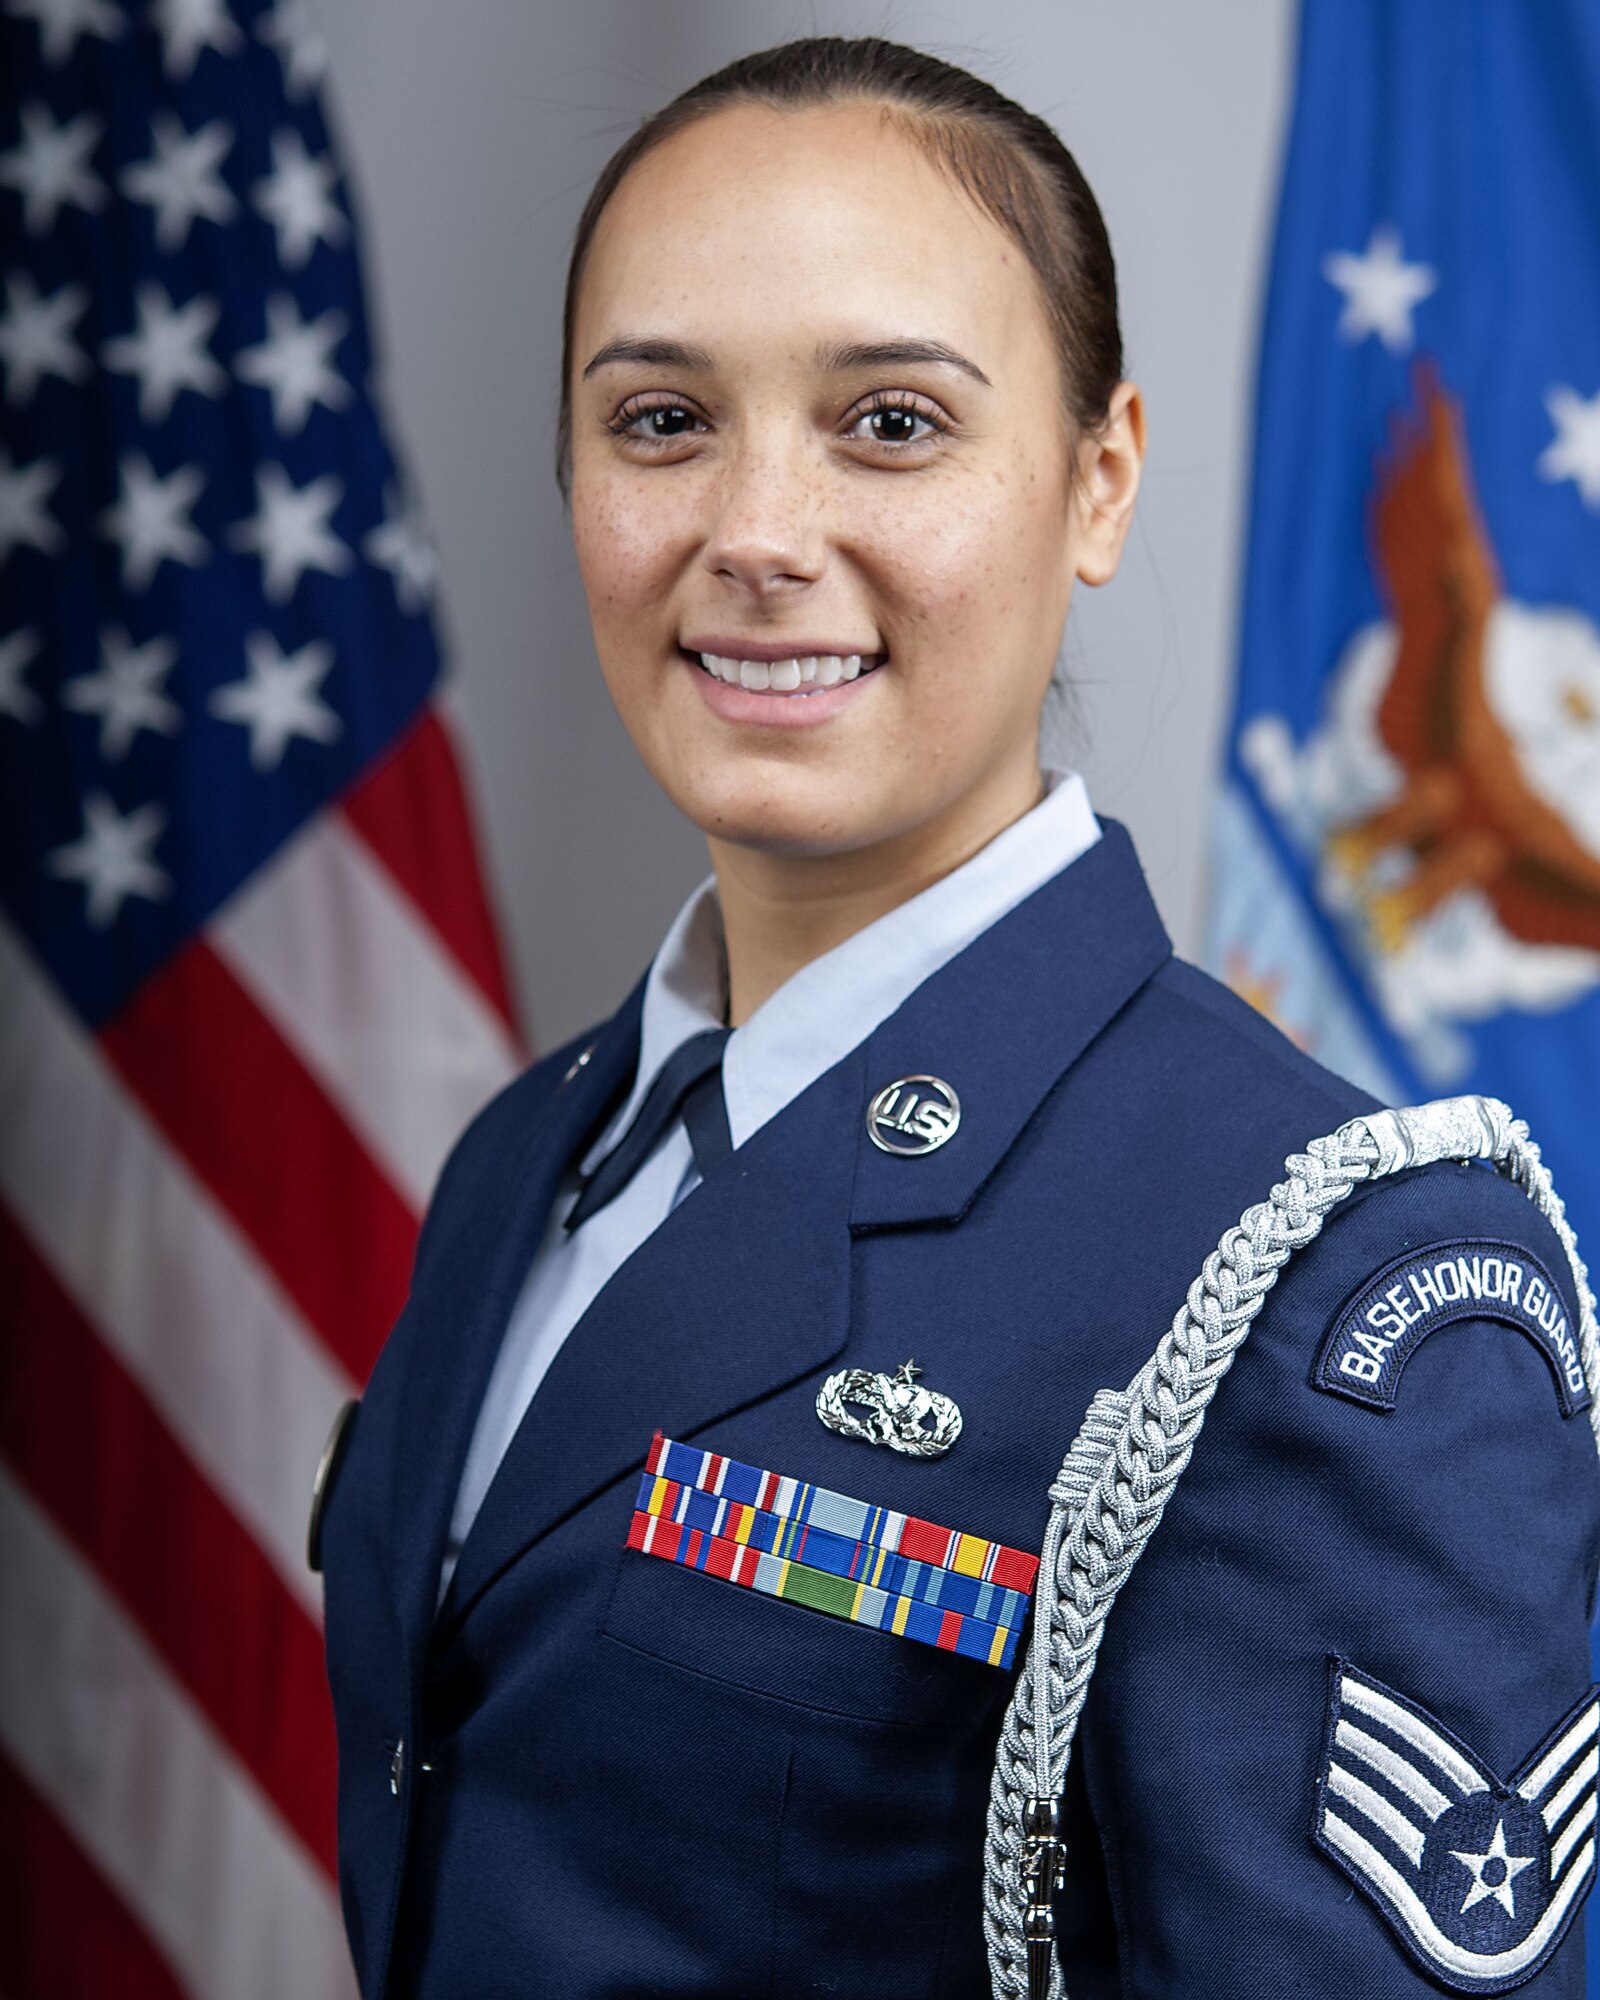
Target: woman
pixel 913 1088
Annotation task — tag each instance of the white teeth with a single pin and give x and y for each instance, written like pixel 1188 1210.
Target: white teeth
pixel 823 670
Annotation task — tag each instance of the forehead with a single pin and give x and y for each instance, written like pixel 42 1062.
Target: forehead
pixel 757 221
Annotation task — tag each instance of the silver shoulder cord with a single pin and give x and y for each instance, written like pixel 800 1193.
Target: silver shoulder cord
pixel 1116 1480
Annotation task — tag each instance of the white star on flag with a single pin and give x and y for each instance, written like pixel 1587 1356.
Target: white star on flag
pixel 289 530
pixel 294 363
pixel 1511 1866
pixel 297 199
pixel 278 698
pixel 50 167
pixel 151 519
pixel 36 336
pixel 167 351
pixel 126 693
pixel 25 522
pixel 1381 290
pixel 112 857
pixel 292 31
pixel 187 27
pixel 61 22
pixel 401 546
pixel 180 180
pixel 1574 452
pixel 17 652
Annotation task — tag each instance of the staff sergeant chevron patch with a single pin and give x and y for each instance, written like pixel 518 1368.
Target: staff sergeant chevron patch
pixel 1480 1877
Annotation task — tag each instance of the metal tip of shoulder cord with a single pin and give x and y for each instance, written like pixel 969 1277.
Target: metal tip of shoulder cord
pixel 1044 1872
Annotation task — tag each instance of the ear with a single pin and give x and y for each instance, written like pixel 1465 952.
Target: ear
pixel 1109 464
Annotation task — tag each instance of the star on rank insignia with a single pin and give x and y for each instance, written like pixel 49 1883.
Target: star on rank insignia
pixel 1479 1876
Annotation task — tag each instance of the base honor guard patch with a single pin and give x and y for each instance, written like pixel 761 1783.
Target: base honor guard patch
pixel 1379 1328
pixel 1479 1876
pixel 830 1553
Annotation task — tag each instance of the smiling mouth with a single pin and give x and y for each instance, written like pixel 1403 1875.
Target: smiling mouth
pixel 806 673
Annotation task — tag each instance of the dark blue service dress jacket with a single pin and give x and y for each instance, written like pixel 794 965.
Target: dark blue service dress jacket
pixel 596 1773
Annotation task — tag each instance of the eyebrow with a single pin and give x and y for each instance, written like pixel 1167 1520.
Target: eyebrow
pixel 833 359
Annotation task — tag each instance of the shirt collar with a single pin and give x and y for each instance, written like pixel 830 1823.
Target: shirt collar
pixel 829 1006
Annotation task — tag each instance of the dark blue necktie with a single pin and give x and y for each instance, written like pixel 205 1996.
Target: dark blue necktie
pixel 689 1082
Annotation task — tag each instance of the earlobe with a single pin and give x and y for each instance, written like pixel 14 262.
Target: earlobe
pixel 1109 466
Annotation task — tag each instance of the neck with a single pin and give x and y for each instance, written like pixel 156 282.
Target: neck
pixel 780 911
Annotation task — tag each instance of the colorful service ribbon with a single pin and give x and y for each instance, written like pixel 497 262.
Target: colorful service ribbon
pixel 823 1550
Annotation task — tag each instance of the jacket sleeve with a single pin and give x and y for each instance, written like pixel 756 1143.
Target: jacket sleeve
pixel 1340 1738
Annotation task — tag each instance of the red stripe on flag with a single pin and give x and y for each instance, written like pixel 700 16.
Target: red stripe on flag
pixel 261 1132
pixel 68 1935
pixel 411 808
pixel 80 1435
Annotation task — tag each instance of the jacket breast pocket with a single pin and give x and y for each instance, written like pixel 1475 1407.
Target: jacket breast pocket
pixel 792 1654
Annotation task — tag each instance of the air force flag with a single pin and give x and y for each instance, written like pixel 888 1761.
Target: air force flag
pixel 1408 852
pixel 1479 1877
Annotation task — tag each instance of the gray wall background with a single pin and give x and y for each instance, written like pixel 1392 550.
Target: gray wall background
pixel 473 129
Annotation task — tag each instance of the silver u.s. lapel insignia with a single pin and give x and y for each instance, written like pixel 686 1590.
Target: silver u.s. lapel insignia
pixel 919 1422
pixel 913 1116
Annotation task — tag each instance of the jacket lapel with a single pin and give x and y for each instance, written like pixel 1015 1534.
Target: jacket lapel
pixel 1003 1021
pixel 454 1328
pixel 742 1290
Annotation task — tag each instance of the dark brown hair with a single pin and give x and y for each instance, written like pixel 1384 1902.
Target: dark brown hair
pixel 1010 162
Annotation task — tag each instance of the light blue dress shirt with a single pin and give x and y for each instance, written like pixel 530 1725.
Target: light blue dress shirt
pixel 810 1023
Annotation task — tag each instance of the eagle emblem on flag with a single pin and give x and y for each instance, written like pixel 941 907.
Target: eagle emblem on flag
pixel 1479 1876
pixel 1449 799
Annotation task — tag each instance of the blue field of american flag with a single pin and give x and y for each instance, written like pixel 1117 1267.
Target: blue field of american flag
pixel 250 986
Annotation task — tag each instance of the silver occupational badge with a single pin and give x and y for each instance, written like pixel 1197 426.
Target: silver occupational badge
pixel 913 1115
pixel 891 1410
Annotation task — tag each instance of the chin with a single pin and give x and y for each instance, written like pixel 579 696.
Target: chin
pixel 763 811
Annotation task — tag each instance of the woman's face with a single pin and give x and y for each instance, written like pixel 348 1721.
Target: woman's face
pixel 818 439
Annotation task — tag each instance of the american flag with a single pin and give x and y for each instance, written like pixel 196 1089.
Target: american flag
pixel 250 987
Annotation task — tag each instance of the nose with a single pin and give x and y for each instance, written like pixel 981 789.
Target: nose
pixel 767 537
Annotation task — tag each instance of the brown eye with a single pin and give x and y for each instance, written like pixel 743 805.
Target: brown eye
pixel 896 422
pixel 654 423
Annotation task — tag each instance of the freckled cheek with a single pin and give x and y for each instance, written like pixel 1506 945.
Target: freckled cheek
pixel 951 561
pixel 956 577
pixel 628 552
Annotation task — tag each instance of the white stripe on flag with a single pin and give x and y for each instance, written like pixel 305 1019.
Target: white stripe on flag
pixel 161 1272
pixel 146 1788
pixel 358 986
